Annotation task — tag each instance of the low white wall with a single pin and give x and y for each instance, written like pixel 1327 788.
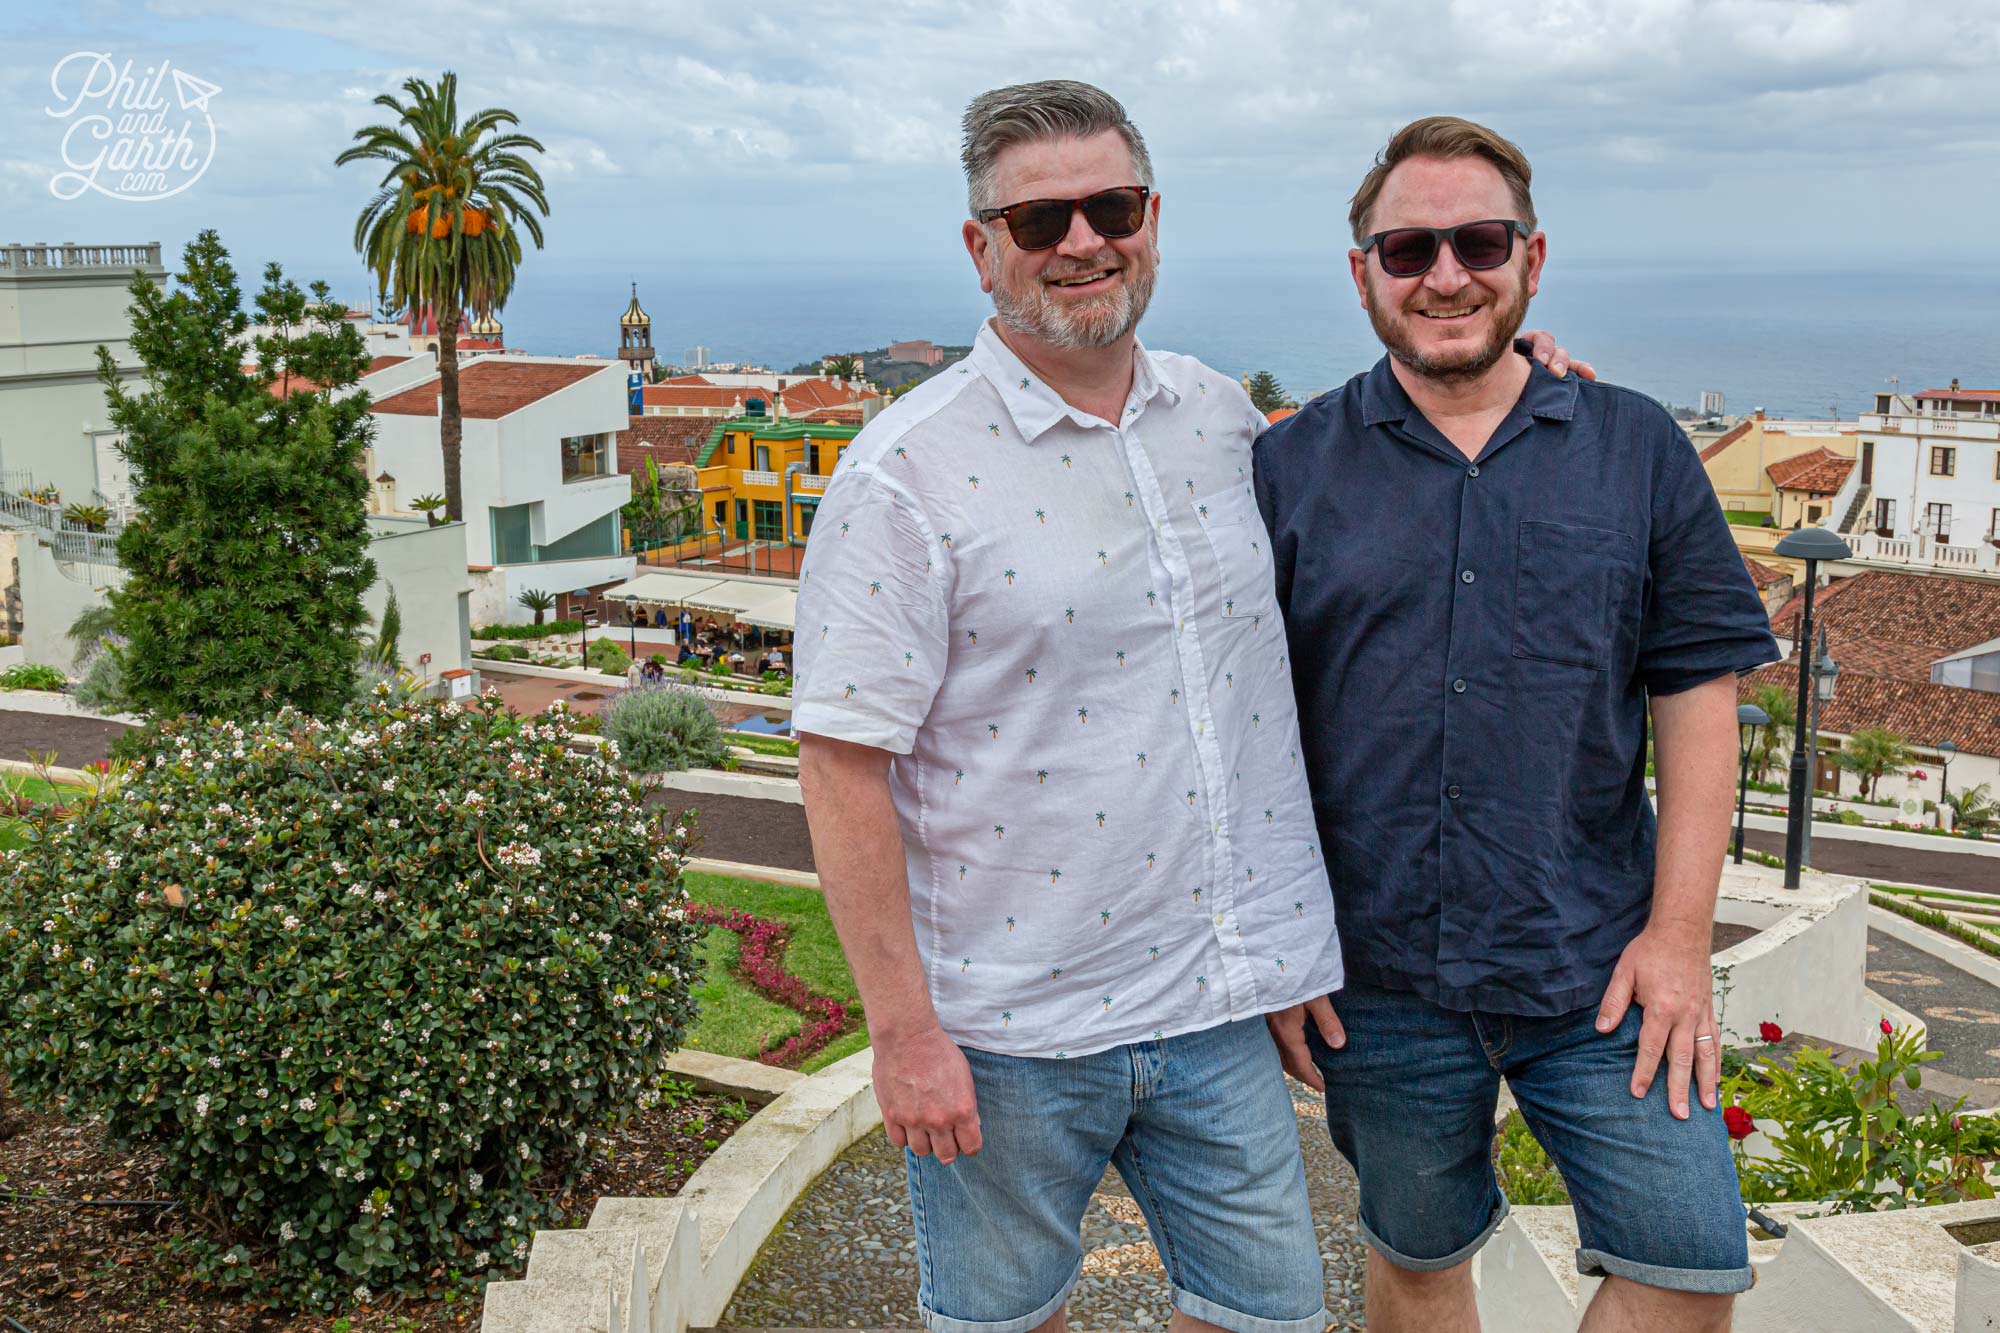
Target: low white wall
pixel 53 594
pixel 1807 967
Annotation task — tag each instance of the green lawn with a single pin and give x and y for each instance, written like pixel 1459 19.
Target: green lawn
pixel 1751 518
pixel 12 832
pixel 734 1018
pixel 759 743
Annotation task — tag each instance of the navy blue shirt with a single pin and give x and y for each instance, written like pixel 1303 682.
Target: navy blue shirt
pixel 1473 642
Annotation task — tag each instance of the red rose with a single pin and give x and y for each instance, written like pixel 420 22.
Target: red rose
pixel 1739 1122
pixel 1770 1031
pixel 1886 1029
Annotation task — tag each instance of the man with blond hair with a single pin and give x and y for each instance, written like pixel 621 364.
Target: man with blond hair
pixel 1544 562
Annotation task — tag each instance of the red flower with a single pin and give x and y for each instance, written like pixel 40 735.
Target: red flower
pixel 1738 1121
pixel 1886 1029
pixel 1770 1032
pixel 1918 773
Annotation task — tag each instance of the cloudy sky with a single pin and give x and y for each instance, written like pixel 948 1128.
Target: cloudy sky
pixel 702 140
pixel 1699 131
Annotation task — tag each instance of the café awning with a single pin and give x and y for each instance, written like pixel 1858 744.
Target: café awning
pixel 767 604
pixel 664 588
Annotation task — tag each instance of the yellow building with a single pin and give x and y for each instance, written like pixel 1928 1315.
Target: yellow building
pixel 761 480
pixel 1739 461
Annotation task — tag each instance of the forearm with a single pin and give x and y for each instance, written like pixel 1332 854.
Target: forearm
pixel 858 849
pixel 1694 762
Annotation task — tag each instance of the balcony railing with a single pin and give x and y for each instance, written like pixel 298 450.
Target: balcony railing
pixel 760 479
pixel 1922 551
pixel 1961 426
pixel 104 258
pixel 810 481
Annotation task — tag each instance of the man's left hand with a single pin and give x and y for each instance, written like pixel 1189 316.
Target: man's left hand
pixel 1667 975
pixel 1556 358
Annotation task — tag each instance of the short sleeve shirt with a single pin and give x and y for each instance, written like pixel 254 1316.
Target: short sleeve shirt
pixel 1475 640
pixel 1064 630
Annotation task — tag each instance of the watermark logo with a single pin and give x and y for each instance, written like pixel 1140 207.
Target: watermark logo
pixel 130 136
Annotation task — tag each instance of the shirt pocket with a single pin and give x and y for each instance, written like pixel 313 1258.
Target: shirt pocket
pixel 1242 549
pixel 1570 586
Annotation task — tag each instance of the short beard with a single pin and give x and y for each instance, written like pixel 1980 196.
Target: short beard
pixel 1460 366
pixel 1098 323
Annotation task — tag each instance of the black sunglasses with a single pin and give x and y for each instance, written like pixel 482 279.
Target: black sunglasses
pixel 1037 224
pixel 1409 252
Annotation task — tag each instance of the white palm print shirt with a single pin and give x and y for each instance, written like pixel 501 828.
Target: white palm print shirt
pixel 1064 630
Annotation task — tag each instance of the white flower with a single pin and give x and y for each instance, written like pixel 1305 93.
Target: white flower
pixel 291 922
pixel 201 1105
pixel 510 1221
pixel 113 860
pixel 476 1182
pixel 482 1259
pixel 308 1104
pixel 362 1294
pixel 287 1232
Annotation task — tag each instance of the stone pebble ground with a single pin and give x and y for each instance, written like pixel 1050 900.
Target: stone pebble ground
pixel 844 1256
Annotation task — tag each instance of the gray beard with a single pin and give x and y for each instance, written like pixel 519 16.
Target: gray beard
pixel 1035 315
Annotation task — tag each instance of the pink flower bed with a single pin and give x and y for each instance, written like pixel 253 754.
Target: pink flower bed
pixel 759 961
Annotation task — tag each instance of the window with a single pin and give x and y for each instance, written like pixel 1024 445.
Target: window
pixel 1944 461
pixel 1885 518
pixel 769 520
pixel 1937 522
pixel 762 459
pixel 1993 529
pixel 721 514
pixel 511 541
pixel 1996 465
pixel 585 456
pixel 599 537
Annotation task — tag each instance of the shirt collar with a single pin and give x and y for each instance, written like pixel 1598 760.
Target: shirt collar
pixel 1384 399
pixel 1034 406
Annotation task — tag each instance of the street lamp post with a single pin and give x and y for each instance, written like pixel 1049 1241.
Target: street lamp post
pixel 1810 545
pixel 632 623
pixel 1825 672
pixel 1946 750
pixel 583 646
pixel 1753 717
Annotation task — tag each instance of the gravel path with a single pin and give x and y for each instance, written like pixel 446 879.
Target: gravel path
pixel 1961 1011
pixel 844 1258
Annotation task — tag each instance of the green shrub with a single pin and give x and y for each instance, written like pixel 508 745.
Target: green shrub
pixel 100 685
pixel 605 655
pixel 659 728
pixel 1527 1176
pixel 32 676
pixel 501 652
pixel 361 984
pixel 554 627
pixel 1850 817
pixel 720 666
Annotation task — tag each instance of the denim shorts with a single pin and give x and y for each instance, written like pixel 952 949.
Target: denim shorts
pixel 1410 1102
pixel 1201 1126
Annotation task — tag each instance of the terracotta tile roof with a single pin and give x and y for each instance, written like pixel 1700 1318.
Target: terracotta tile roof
pixel 1920 712
pixel 1763 575
pixel 688 379
pixel 1277 414
pixel 1983 395
pixel 1885 629
pixel 1736 433
pixel 1819 472
pixel 833 416
pixel 695 395
pixel 665 440
pixel 805 396
pixel 383 363
pixel 490 387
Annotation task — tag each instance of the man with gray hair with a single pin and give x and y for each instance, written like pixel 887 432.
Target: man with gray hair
pixel 1051 760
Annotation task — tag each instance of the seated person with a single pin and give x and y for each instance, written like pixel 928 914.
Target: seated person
pixel 774 660
pixel 687 654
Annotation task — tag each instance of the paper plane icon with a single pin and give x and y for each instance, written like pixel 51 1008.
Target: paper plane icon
pixel 194 93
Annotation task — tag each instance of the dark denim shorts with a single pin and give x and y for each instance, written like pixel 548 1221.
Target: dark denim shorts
pixel 1410 1102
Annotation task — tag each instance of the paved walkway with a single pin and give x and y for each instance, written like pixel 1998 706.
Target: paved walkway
pixel 1898 865
pixel 1961 1011
pixel 77 741
pixel 844 1256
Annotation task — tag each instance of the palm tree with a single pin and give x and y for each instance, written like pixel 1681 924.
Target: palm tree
pixel 1870 753
pixel 846 366
pixel 537 601
pixel 428 505
pixel 1781 707
pixel 440 231
pixel 1972 808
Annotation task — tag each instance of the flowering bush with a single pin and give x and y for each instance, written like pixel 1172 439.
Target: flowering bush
pixel 1841 1138
pixel 760 959
pixel 360 982
pixel 661 728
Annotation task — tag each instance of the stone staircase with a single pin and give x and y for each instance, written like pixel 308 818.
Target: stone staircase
pixel 1858 510
pixel 72 542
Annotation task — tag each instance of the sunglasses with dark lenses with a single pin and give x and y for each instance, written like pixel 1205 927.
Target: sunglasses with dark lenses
pixel 1409 252
pixel 1037 224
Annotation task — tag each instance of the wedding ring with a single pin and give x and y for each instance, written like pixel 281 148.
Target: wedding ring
pixel 1704 1037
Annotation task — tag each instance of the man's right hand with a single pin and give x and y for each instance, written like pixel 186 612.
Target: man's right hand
pixel 924 1087
pixel 1288 1030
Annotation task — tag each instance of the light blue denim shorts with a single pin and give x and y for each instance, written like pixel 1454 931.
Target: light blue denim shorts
pixel 1202 1129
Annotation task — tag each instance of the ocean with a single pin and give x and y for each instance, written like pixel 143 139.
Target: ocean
pixel 1799 344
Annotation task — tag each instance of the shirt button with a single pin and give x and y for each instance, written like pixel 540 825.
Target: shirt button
pixel 1458 687
pixel 1201 728
pixel 1452 791
pixel 1466 577
pixel 1218 918
pixel 1474 472
pixel 1179 625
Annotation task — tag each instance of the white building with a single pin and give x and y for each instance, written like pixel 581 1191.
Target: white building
pixel 538 471
pixel 1928 481
pixel 57 304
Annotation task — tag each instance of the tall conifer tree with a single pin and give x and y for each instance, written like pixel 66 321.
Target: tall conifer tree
pixel 249 554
